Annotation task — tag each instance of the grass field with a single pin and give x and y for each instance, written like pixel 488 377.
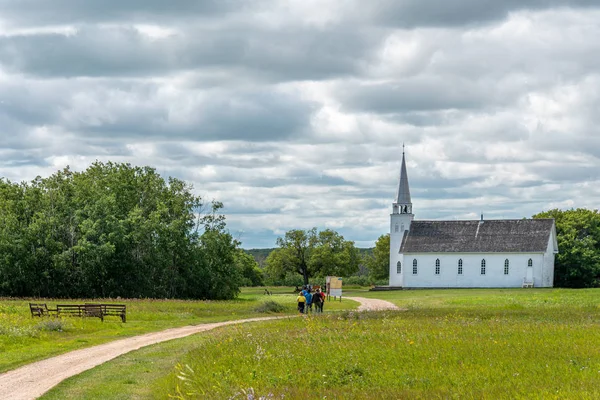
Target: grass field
pixel 447 344
pixel 24 339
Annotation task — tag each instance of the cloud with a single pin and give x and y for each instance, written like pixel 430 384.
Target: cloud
pixel 294 112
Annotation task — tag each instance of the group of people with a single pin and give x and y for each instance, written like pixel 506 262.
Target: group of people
pixel 306 299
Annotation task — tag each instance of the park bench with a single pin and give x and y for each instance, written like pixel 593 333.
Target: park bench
pixel 116 310
pixel 80 310
pixel 40 310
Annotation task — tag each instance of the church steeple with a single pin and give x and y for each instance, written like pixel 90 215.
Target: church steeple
pixel 403 204
pixel 400 222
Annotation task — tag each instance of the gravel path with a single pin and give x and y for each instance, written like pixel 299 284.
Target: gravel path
pixel 373 304
pixel 33 380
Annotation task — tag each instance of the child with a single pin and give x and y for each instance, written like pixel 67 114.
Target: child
pixel 301 300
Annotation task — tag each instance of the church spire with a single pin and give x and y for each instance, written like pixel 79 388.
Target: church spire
pixel 403 196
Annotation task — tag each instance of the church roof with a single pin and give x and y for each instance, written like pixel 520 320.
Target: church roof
pixel 491 236
pixel 403 196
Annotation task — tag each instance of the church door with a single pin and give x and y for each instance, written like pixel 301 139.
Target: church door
pixel 529 275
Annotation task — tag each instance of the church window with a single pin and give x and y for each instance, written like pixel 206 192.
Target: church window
pixel 530 263
pixel 460 269
pixel 402 228
pixel 483 267
pixel 399 267
pixel 506 266
pixel 437 266
pixel 396 228
pixel 415 268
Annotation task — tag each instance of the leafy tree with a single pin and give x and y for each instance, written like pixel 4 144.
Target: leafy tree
pixel 311 253
pixel 578 234
pixel 378 262
pixel 113 230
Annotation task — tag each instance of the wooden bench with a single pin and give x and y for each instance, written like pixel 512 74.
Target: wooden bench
pixel 79 310
pixel 116 310
pixel 40 310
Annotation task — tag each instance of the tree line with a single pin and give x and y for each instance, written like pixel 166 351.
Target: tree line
pixel 116 230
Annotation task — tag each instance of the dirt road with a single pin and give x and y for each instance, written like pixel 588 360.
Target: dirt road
pixel 373 304
pixel 33 380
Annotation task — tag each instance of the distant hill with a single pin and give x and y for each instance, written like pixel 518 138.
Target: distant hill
pixel 260 255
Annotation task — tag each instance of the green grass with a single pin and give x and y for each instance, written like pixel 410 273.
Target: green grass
pixel 24 339
pixel 491 344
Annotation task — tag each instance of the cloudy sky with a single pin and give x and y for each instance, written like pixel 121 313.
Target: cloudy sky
pixel 293 112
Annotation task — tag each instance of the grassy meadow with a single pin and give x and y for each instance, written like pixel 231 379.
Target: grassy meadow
pixel 491 344
pixel 24 339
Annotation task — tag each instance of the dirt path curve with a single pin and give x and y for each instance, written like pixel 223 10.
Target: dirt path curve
pixel 33 380
pixel 373 304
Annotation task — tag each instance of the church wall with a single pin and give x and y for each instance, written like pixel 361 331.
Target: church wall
pixel 547 278
pixel 471 276
pixel 402 222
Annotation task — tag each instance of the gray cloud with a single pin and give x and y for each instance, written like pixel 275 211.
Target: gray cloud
pixel 294 115
pixel 418 13
pixel 292 53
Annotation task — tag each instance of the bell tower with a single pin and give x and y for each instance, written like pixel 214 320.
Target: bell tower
pixel 400 220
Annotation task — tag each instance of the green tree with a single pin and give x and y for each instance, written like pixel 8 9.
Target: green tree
pixel 578 234
pixel 311 253
pixel 113 230
pixel 378 262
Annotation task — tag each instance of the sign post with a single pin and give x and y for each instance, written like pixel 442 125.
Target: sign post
pixel 334 287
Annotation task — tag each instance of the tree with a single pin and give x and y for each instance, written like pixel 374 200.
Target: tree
pixel 113 230
pixel 311 253
pixel 578 234
pixel 378 263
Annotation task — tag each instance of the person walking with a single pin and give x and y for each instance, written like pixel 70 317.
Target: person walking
pixel 317 300
pixel 301 302
pixel 322 296
pixel 308 297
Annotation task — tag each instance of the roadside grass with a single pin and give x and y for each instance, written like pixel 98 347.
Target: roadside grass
pixel 494 344
pixel 24 339
pixel 420 353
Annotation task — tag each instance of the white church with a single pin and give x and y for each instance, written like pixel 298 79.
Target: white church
pixel 507 253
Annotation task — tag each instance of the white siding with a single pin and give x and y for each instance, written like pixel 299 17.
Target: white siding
pixel 402 221
pixel 547 276
pixel 471 276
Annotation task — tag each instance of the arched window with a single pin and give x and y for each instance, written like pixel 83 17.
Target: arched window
pixel 460 270
pixel 483 267
pixel 437 266
pixel 415 269
pixel 506 266
pixel 399 267
pixel 530 263
pixel 396 228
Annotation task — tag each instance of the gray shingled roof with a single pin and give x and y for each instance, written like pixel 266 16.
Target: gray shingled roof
pixel 493 236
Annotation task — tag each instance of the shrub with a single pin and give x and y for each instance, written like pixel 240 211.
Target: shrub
pixel 51 325
pixel 270 306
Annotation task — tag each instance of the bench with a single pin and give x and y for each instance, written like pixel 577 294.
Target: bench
pixel 79 310
pixel 40 310
pixel 116 310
